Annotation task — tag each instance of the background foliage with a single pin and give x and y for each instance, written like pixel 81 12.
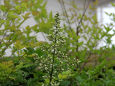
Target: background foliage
pixel 63 60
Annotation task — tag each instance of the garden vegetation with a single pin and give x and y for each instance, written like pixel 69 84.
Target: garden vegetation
pixel 70 56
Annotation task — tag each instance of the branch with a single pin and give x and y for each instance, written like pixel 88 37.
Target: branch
pixel 79 25
pixel 64 11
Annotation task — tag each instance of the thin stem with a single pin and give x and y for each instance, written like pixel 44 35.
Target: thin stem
pixel 52 67
pixel 79 25
pixel 65 12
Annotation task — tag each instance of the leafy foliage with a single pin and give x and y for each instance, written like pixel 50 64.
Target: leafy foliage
pixel 69 58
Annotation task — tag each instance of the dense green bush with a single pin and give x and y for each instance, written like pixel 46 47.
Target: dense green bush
pixel 62 61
